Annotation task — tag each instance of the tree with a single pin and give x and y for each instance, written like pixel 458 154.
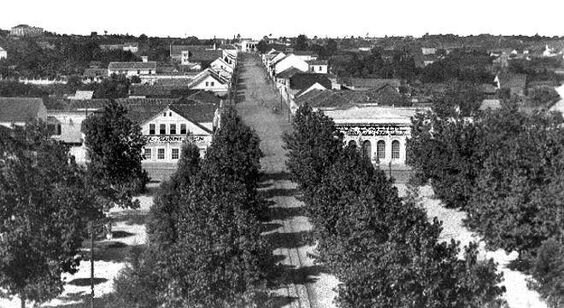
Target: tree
pixel 162 227
pixel 44 207
pixel 262 46
pixel 313 145
pixel 548 273
pixel 301 42
pixel 114 144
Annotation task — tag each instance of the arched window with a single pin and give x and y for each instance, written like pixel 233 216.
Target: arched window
pixel 381 149
pixel 352 144
pixel 367 149
pixel 395 149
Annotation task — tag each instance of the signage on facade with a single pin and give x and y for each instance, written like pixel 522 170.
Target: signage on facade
pixel 384 130
pixel 198 140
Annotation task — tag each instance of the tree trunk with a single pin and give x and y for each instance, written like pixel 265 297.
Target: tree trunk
pixel 22 301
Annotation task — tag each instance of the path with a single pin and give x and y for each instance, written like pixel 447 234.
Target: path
pixel 303 284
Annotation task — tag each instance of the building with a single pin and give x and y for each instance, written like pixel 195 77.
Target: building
pixel 168 127
pixel 288 61
pixel 132 68
pixel 94 75
pixel 368 83
pixel 132 47
pixel 381 132
pixel 26 31
pixel 318 66
pixel 82 95
pixel 248 45
pixel 209 80
pixel 515 83
pixel 3 53
pixel 20 110
pixel 220 64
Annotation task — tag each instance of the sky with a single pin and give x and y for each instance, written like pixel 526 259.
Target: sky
pixel 254 18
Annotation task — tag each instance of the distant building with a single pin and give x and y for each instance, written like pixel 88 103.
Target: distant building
pixel 91 75
pixel 82 95
pixel 368 83
pixel 3 53
pixel 132 68
pixel 318 66
pixel 209 80
pixel 516 83
pixel 25 30
pixel 19 110
pixel 133 47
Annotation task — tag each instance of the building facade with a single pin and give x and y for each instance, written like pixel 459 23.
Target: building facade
pixel 25 30
pixel 132 68
pixel 3 53
pixel 381 132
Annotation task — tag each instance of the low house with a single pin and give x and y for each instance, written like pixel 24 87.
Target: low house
pixel 209 80
pixel 221 64
pixel 515 83
pixel 3 53
pixel 25 30
pixel 306 55
pixel 288 61
pixel 318 66
pixel 132 47
pixel 19 110
pixel 132 68
pixel 94 75
pixel 368 83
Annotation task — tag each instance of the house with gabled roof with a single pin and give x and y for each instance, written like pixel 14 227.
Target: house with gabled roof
pixel 20 110
pixel 168 127
pixel 209 80
pixel 132 68
pixel 318 66
pixel 221 64
pixel 288 61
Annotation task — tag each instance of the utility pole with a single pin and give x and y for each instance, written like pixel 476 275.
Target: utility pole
pixel 390 169
pixel 91 264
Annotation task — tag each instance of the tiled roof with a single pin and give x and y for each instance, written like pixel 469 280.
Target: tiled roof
pixel 304 53
pixel 178 49
pixel 205 97
pixel 334 98
pixel 191 110
pixel 302 81
pixel 204 74
pixel 288 73
pixel 367 83
pixel 19 109
pixel 151 65
pixel 95 72
pixel 513 80
pixel 317 62
pixel 205 55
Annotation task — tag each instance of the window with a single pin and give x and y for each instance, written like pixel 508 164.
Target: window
pixel 367 149
pixel 175 153
pixel 160 153
pixel 170 113
pixel 211 83
pixel 162 129
pixel 352 144
pixel 138 72
pixel 164 114
pixel 173 129
pixel 151 129
pixel 395 149
pixel 147 154
pixel 381 149
pixel 183 129
pixel 320 69
pixel 207 83
pixel 150 72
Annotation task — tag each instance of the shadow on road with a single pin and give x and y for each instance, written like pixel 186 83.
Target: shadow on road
pixel 283 213
pixel 288 240
pixel 278 192
pixel 275 176
pixel 302 275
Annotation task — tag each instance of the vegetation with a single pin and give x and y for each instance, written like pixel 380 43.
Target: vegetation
pixel 115 144
pixel 382 248
pixel 205 246
pixel 505 169
pixel 44 208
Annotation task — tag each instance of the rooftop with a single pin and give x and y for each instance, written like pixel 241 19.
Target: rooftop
pixel 19 109
pixel 152 65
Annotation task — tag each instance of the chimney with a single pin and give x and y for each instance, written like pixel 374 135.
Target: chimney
pixel 144 58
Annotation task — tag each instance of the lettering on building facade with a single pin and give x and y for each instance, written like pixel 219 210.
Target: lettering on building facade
pixel 197 140
pixel 376 130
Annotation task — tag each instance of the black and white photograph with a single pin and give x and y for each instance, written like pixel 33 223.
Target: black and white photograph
pixel 281 154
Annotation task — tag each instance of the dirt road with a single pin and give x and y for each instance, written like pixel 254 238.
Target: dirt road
pixel 303 284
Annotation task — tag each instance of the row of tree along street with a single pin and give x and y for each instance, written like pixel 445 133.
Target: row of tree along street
pixel 205 248
pixel 506 169
pixel 47 200
pixel 383 249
